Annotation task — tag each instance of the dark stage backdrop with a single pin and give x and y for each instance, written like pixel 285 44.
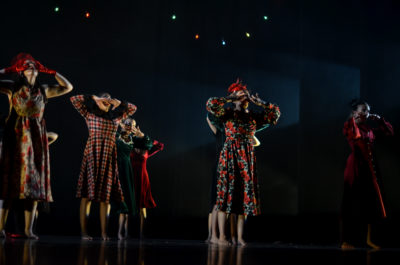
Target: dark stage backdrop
pixel 310 57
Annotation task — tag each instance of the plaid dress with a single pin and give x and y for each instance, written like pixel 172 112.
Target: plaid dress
pixel 237 185
pixel 98 178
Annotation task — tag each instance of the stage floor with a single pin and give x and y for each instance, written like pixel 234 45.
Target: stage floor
pixel 71 250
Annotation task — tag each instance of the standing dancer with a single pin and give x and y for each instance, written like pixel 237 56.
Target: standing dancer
pixel 24 164
pixel 362 196
pixel 237 185
pixel 124 149
pixel 218 130
pixel 144 147
pixel 98 178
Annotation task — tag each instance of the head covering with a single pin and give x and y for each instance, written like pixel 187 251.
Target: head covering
pixel 20 59
pixel 237 86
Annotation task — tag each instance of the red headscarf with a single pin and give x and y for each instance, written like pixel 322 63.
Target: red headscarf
pixel 237 86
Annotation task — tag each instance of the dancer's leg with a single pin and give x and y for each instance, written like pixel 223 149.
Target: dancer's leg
pixel 214 224
pixel 369 242
pixel 221 224
pixel 126 226
pixel 84 216
pixel 209 228
pixel 121 226
pixel 30 213
pixel 240 228
pixel 4 207
pixel 142 217
pixel 233 221
pixel 104 214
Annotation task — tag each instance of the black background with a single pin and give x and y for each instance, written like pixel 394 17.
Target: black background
pixel 311 57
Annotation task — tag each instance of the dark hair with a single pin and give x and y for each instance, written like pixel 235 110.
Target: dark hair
pixel 103 95
pixel 357 102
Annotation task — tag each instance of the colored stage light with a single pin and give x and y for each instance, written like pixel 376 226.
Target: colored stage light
pixel 56 9
pixel 223 42
pixel 87 15
pixel 173 17
pixel 197 36
pixel 265 17
pixel 247 35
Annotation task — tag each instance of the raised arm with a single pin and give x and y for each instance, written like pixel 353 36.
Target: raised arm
pixel 6 85
pixel 384 127
pixel 215 106
pixel 52 137
pixel 78 102
pixel 157 147
pixel 63 87
pixel 123 110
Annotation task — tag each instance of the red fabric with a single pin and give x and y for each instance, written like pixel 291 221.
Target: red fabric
pixel 144 198
pixel 18 64
pixel 361 138
pixel 237 86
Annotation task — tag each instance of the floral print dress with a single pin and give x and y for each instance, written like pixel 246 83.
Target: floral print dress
pixel 25 164
pixel 98 178
pixel 237 185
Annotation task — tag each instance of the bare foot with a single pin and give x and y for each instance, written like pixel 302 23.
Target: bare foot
pixel 121 237
pixel 346 245
pixel 31 235
pixel 372 245
pixel 87 237
pixel 223 242
pixel 2 234
pixel 241 242
pixel 213 240
pixel 105 238
pixel 234 241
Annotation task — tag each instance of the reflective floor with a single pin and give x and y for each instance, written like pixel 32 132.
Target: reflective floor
pixel 71 250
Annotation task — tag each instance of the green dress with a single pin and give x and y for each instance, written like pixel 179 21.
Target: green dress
pixel 124 149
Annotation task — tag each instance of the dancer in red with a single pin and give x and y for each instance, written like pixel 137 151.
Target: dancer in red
pixel 362 196
pixel 25 162
pixel 98 178
pixel 237 183
pixel 144 147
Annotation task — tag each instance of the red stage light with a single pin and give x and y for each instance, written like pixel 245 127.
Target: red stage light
pixel 87 15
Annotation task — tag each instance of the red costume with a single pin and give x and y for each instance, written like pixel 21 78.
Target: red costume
pixel 143 149
pixel 362 197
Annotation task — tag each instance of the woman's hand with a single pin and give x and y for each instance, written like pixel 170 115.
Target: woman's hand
pixel 374 117
pixel 256 99
pixel 115 102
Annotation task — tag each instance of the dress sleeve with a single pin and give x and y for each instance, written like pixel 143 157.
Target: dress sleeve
pixel 269 115
pixel 78 102
pixel 216 122
pixel 215 106
pixel 351 130
pixel 384 128
pixel 157 147
pixel 124 110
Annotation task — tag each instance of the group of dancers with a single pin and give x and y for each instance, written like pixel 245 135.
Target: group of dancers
pixel 114 162
pixel 113 168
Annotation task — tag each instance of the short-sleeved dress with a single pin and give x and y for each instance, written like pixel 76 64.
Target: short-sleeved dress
pixel 24 163
pixel 237 184
pixel 143 149
pixel 98 178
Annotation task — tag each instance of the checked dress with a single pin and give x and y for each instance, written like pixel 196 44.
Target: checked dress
pixel 98 178
pixel 237 185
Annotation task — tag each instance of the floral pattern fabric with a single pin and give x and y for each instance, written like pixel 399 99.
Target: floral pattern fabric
pixel 98 178
pixel 25 164
pixel 237 183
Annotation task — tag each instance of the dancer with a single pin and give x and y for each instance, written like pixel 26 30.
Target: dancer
pixel 144 147
pixel 218 130
pixel 362 196
pixel 98 178
pixel 237 185
pixel 124 149
pixel 24 164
